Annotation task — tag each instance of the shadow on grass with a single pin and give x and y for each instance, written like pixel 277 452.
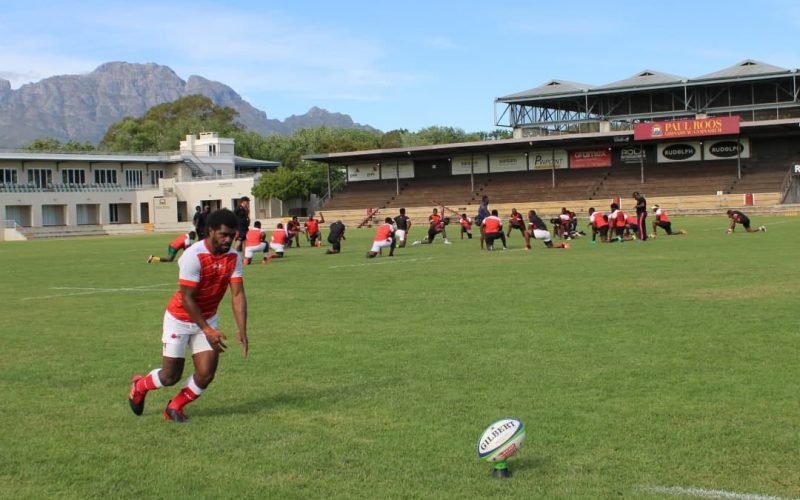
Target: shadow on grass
pixel 296 398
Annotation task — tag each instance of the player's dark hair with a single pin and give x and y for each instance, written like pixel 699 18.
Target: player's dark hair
pixel 257 224
pixel 614 206
pixel 222 217
pixel 403 211
pixel 388 220
pixel 591 210
pixel 494 212
pixel 192 235
pixel 244 198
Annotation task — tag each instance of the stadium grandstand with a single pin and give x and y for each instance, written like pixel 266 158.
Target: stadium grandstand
pixel 725 139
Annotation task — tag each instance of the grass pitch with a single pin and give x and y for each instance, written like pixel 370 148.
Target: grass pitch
pixel 635 366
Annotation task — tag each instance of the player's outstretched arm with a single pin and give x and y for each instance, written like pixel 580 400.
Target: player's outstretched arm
pixel 239 302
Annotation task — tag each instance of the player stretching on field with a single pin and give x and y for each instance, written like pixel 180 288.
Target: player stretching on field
pixel 182 242
pixel 537 229
pixel 599 225
pixel 662 221
pixel 738 217
pixel 206 271
pixel 403 225
pixel 384 237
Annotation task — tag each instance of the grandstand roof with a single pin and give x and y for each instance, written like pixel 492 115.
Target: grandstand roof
pixel 644 78
pixel 553 87
pixel 647 79
pixel 746 68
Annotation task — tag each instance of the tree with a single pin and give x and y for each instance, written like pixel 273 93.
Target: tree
pixel 48 144
pixel 164 126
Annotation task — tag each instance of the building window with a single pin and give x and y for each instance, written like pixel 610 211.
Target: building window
pixel 155 175
pixel 113 213
pixel 105 176
pixel 212 150
pixel 9 176
pixel 73 176
pixel 40 177
pixel 133 178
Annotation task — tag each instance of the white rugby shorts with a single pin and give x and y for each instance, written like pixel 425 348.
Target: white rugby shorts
pixel 250 251
pixel 377 245
pixel 276 247
pixel 541 234
pixel 179 334
pixel 401 234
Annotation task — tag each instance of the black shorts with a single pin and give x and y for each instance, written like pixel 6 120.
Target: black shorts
pixel 666 226
pixel 241 234
pixel 603 231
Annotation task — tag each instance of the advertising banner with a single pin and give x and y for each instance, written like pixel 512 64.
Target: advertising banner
pixel 679 151
pixel 632 154
pixel 362 172
pixel 591 158
pixel 720 125
pixel 405 168
pixel 545 159
pixel 507 163
pixel 726 149
pixel 461 164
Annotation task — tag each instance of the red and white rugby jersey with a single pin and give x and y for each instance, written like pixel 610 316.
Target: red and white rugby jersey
pixel 253 237
pixel 492 224
pixel 210 274
pixel 279 237
pixel 182 242
pixel 661 216
pixel 384 232
pixel 597 219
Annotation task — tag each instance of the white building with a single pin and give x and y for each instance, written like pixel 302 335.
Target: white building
pixel 53 194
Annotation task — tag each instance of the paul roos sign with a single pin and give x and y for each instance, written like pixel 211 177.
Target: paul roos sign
pixel 722 125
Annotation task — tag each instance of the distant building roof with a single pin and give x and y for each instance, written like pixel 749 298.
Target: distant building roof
pixel 746 68
pixel 551 88
pixel 644 78
pixel 251 164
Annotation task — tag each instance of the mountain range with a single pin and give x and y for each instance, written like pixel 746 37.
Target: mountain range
pixel 82 107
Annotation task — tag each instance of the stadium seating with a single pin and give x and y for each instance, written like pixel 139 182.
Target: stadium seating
pixel 688 187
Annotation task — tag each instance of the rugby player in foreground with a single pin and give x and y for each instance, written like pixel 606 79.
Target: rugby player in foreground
pixel 207 269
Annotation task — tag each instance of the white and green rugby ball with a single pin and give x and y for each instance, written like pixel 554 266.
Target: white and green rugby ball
pixel 501 440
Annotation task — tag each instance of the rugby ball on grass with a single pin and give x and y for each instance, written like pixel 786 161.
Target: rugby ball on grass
pixel 501 440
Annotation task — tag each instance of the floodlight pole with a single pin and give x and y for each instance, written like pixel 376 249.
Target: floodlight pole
pixel 329 180
pixel 397 177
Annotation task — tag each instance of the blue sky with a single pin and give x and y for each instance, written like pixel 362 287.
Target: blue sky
pixel 409 64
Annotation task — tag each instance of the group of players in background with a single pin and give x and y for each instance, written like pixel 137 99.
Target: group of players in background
pixel 614 226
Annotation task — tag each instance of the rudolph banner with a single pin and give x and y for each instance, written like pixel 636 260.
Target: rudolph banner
pixel 679 151
pixel 721 125
pixel 593 158
pixel 464 165
pixel 726 150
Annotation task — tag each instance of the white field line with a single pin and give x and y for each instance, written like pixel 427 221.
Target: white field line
pixel 389 261
pixel 684 491
pixel 95 290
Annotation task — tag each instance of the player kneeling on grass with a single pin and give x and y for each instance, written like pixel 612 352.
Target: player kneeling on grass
pixel 662 221
pixel 277 243
pixel 182 242
pixel 254 242
pixel 493 230
pixel 206 271
pixel 738 217
pixel 599 225
pixel 537 229
pixel 466 226
pixel 384 237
